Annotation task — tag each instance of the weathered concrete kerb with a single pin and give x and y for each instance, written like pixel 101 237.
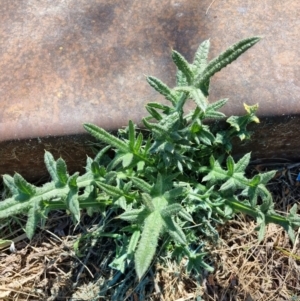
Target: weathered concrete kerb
pixel 66 62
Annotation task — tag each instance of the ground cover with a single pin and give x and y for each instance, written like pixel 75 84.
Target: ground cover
pixel 158 216
pixel 246 269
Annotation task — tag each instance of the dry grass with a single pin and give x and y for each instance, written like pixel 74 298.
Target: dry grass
pixel 245 269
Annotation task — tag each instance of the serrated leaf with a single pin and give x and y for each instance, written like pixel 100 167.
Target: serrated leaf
pixel 255 181
pixel 200 60
pixel 104 136
pixel 185 215
pixel 217 105
pixel 148 243
pixel 141 184
pixel 211 111
pixel 61 171
pixel 205 136
pixel 243 163
pixel 174 230
pixel 72 181
pixel 96 169
pixel 230 165
pixel 133 241
pixel 147 201
pixel 156 128
pixel 160 106
pixel 101 153
pixel 158 188
pixel 199 98
pixel 251 110
pixel 225 58
pixel 154 114
pixel 180 80
pixel 121 202
pixel 183 65
pixel 197 263
pixel 134 215
pixel 170 210
pixel 50 165
pixel 32 220
pixel 111 190
pixel 131 134
pixel 138 143
pixel 73 203
pixel 234 121
pixel 267 176
pixel 195 94
pixel 23 186
pixel 162 88
pixel 10 184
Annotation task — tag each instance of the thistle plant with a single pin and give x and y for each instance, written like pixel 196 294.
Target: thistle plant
pixel 172 184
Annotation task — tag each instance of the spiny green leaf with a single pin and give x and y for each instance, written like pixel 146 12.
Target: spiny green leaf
pixel 174 230
pixel 205 135
pixel 230 165
pixel 101 153
pixel 162 88
pixel 183 65
pixel 180 80
pixel 131 132
pixel 134 215
pixel 156 105
pixel 238 181
pixel 147 201
pixel 217 105
pixel 10 184
pixel 104 136
pixel 267 176
pixel 197 95
pixel 171 210
pixel 23 186
pixel 242 164
pixel 138 143
pixel 199 98
pixel 200 60
pixel 154 113
pixel 32 220
pixel 11 207
pixel 211 111
pixel 133 241
pixel 96 169
pixel 197 263
pixel 148 243
pixel 72 181
pixel 158 188
pixel 73 203
pixel 156 128
pixel 141 184
pixel 61 171
pixel 111 190
pixel 51 165
pixel 225 58
pixel 185 215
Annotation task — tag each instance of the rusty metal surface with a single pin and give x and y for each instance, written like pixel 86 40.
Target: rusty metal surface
pixel 27 156
pixel 66 62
